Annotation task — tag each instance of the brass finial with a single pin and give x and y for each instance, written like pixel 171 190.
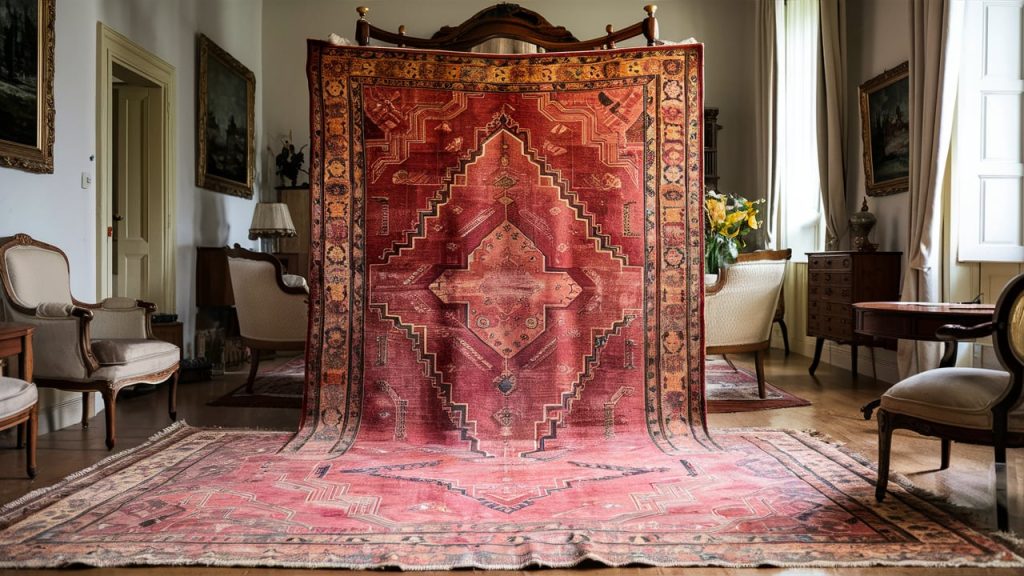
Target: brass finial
pixel 362 10
pixel 651 9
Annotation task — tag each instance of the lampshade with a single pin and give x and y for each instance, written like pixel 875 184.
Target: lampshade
pixel 271 220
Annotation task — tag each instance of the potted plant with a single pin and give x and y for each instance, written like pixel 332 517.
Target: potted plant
pixel 727 220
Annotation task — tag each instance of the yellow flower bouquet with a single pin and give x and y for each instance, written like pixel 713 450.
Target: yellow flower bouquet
pixel 728 219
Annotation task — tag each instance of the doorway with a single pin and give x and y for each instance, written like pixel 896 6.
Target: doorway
pixel 135 191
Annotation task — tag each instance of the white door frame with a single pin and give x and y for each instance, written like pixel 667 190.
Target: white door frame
pixel 115 48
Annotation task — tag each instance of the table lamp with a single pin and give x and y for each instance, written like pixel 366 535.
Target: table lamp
pixel 271 220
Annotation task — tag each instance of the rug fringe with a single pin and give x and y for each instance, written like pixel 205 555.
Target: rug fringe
pixel 168 431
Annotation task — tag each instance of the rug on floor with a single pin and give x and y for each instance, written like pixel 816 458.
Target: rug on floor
pixel 507 356
pixel 233 498
pixel 277 387
pixel 729 390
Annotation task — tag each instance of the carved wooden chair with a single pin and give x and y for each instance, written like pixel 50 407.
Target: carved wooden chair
pixel 82 347
pixel 271 305
pixel 740 307
pixel 969 405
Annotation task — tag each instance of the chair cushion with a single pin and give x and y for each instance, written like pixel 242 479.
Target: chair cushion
pixel 955 396
pixel 16 395
pixel 116 352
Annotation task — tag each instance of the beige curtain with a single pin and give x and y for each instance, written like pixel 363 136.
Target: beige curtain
pixel 832 120
pixel 765 79
pixel 934 65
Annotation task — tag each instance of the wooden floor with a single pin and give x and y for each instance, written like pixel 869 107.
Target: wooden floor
pixel 834 411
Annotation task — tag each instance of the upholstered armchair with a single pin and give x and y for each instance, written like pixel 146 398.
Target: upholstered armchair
pixel 739 307
pixel 82 347
pixel 271 306
pixel 969 405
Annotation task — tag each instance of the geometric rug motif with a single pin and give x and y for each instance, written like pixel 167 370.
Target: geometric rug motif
pixel 277 387
pixel 505 248
pixel 219 497
pixel 730 390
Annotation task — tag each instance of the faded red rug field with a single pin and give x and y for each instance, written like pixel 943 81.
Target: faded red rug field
pixel 505 356
pixel 731 390
pixel 277 387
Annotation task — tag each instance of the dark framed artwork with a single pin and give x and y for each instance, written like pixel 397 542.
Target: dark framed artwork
pixel 225 121
pixel 26 84
pixel 885 128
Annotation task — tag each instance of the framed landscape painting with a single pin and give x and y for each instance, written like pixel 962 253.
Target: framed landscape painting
pixel 885 128
pixel 26 84
pixel 225 118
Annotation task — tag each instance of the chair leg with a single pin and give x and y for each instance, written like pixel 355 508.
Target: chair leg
pixel 21 435
pixel 759 365
pixel 86 408
pixel 729 362
pixel 785 335
pixel 172 397
pixel 110 409
pixel 253 368
pixel 944 458
pixel 33 436
pixel 999 443
pixel 884 449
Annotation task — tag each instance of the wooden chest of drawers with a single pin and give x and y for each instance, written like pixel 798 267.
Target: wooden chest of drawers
pixel 835 280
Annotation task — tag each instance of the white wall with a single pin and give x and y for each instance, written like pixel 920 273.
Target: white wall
pixel 55 209
pixel 879 39
pixel 725 26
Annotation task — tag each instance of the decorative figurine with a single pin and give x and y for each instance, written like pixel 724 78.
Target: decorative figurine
pixel 289 161
pixel 861 224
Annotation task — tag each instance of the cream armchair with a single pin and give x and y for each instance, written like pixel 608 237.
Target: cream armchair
pixel 740 307
pixel 82 347
pixel 272 307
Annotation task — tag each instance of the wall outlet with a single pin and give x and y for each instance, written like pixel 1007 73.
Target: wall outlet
pixel 86 180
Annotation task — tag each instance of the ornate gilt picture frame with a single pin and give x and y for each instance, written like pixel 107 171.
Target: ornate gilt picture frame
pixel 885 129
pixel 225 121
pixel 26 85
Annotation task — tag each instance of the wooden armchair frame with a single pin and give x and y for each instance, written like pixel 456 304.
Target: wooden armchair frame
pixel 999 437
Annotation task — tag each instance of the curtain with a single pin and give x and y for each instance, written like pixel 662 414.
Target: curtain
pixel 832 120
pixel 765 78
pixel 934 65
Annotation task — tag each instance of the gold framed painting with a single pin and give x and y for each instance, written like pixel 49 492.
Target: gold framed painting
pixel 26 84
pixel 225 121
pixel 885 130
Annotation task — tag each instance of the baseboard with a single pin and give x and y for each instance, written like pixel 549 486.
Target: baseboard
pixel 885 369
pixel 839 356
pixel 59 409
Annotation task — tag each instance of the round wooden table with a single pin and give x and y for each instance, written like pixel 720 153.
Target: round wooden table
pixel 916 321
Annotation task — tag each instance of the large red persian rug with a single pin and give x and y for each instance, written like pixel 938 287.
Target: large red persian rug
pixel 505 359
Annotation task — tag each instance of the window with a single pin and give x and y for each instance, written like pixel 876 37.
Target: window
pixel 799 48
pixel 987 151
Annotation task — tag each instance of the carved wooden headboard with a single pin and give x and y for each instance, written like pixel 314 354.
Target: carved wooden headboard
pixel 509 21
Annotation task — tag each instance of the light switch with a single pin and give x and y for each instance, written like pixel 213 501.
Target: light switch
pixel 86 180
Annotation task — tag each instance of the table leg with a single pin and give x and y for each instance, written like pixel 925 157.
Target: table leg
pixel 818 344
pixel 853 360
